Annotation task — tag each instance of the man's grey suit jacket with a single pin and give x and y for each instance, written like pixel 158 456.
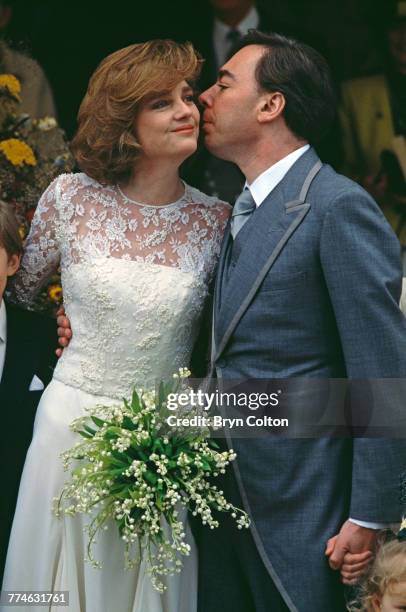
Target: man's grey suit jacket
pixel 311 289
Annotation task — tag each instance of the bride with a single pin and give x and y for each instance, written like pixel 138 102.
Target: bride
pixel 137 248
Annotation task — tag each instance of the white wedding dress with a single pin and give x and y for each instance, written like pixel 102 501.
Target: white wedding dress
pixel 135 278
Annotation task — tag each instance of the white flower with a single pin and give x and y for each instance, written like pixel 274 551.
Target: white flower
pixel 47 123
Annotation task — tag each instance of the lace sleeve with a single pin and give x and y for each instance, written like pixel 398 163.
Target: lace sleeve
pixel 41 253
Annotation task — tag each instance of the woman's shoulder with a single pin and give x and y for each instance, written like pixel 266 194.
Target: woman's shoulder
pixel 196 196
pixel 71 182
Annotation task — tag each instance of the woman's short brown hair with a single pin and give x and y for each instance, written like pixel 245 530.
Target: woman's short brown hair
pixel 10 238
pixel 105 146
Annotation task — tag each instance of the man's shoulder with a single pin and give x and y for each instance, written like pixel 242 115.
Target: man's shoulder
pixel 331 188
pixel 332 185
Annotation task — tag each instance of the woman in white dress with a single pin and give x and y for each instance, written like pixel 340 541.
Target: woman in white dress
pixel 137 248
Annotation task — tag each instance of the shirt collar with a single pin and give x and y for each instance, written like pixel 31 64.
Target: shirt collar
pixel 250 21
pixel 266 182
pixel 3 322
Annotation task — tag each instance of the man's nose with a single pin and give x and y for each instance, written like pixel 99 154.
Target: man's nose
pixel 206 98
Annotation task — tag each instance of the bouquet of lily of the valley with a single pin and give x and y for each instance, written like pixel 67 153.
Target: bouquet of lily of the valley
pixel 137 473
pixel 32 153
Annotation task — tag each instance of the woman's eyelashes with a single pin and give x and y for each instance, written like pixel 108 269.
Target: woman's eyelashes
pixel 159 104
pixel 165 102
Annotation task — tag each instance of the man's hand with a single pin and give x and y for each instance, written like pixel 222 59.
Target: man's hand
pixel 351 551
pixel 64 330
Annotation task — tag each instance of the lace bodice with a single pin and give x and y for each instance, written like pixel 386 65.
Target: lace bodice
pixel 134 278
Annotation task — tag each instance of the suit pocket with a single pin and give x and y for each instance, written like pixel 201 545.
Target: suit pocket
pixel 274 283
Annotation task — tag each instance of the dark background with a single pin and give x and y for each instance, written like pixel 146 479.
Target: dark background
pixel 69 38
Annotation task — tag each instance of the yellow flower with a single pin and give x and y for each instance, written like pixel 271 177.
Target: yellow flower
pixel 12 84
pixel 22 232
pixel 55 293
pixel 18 152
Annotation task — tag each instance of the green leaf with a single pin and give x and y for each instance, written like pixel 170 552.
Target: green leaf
pixel 158 446
pixel 97 421
pixel 151 477
pixel 118 456
pixel 89 430
pixel 85 435
pixel 128 424
pixel 135 402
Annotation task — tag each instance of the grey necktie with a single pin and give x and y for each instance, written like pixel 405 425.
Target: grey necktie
pixel 243 209
pixel 233 36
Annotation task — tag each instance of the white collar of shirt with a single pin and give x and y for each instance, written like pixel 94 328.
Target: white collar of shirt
pixel 3 336
pixel 266 182
pixel 220 31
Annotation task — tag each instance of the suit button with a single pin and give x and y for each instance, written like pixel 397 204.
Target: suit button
pixel 221 363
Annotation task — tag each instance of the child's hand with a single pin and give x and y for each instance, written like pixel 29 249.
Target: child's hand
pixel 354 566
pixel 351 551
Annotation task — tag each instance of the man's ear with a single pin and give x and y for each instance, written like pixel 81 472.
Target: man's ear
pixel 13 264
pixel 270 107
pixel 5 16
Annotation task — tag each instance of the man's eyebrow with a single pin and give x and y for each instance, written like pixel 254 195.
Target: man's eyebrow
pixel 226 73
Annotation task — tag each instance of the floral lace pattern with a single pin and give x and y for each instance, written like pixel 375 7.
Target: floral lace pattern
pixel 134 276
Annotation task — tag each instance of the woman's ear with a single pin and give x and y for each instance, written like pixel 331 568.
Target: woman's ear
pixel 270 107
pixel 13 264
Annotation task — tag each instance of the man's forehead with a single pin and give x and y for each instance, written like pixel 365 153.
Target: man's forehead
pixel 244 61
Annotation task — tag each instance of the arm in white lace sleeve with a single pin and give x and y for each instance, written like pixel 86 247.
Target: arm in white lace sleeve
pixel 41 253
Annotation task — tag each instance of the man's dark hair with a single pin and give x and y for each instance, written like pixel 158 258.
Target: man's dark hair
pixel 302 75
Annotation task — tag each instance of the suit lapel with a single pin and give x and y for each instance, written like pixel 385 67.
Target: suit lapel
pixel 260 243
pixel 219 282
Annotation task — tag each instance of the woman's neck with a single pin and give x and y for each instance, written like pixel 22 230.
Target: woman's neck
pixel 155 184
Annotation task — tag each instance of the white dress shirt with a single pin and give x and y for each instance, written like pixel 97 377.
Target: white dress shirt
pixel 221 44
pixel 260 188
pixel 3 336
pixel 266 182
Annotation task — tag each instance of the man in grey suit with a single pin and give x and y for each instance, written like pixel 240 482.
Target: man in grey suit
pixel 308 285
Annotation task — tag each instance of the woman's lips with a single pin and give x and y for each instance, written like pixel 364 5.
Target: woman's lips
pixel 185 128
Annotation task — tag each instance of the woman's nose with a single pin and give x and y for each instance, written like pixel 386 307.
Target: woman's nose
pixel 183 109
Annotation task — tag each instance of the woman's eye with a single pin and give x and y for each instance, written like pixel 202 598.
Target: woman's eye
pixel 190 98
pixel 159 104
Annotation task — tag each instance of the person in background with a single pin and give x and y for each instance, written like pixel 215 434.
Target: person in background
pixel 373 124
pixel 384 588
pixel 27 343
pixel 227 22
pixel 36 93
